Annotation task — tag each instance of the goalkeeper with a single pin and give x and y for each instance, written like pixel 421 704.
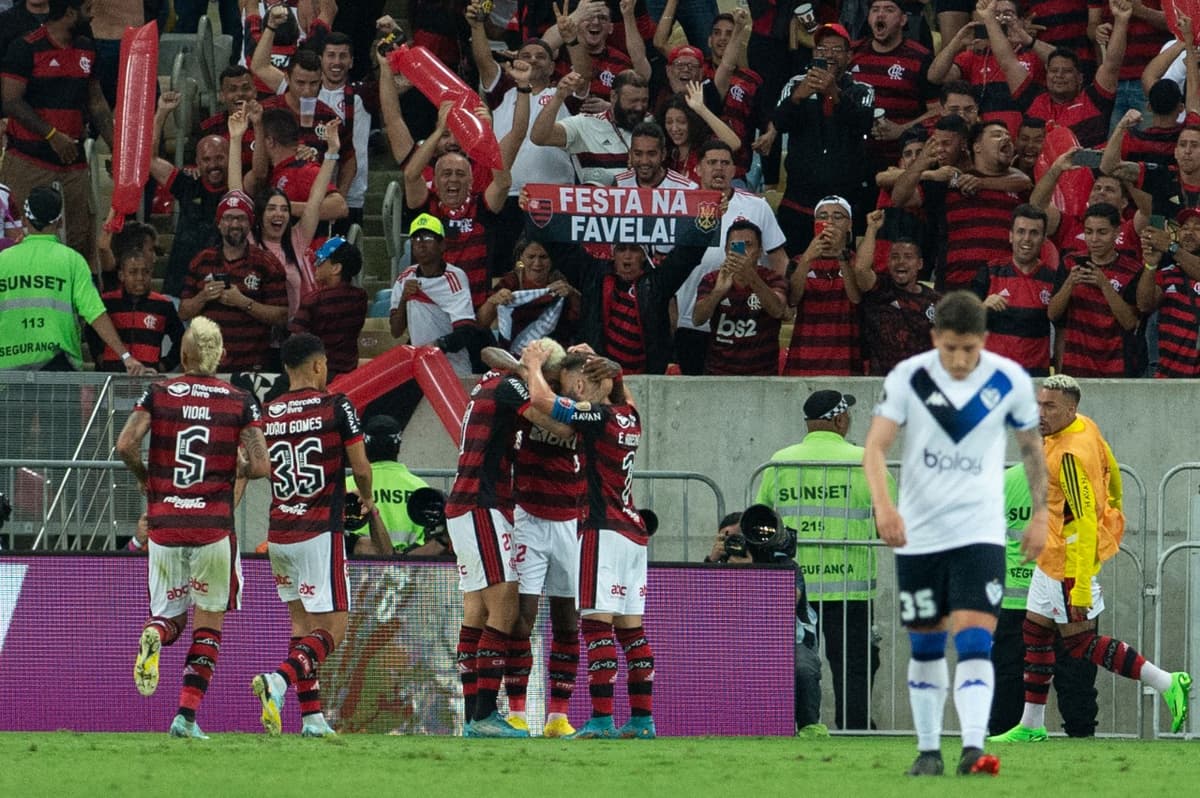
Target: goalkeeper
pixel 1086 525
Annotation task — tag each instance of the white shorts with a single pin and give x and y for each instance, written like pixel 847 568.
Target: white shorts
pixel 1048 597
pixel 546 554
pixel 313 571
pixel 483 545
pixel 612 574
pixel 208 577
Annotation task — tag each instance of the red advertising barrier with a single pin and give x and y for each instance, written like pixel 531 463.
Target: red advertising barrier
pixel 133 124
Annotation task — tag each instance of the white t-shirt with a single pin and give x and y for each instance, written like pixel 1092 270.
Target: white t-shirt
pixel 534 163
pixel 361 134
pixel 952 471
pixel 433 312
pixel 742 205
pixel 601 149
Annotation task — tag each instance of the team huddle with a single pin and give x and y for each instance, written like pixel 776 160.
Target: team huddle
pixel 542 495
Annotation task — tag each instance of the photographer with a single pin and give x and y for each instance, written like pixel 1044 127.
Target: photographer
pixel 759 536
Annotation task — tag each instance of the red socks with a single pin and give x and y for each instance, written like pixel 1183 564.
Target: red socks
pixel 564 663
pixel 198 670
pixel 516 672
pixel 639 663
pixel 602 664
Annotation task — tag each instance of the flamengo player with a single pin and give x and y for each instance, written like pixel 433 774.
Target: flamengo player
pixel 956 401
pixel 548 485
pixel 196 423
pixel 310 436
pixel 613 538
pixel 479 518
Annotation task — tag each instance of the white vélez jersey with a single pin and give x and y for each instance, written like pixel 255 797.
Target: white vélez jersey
pixel 742 205
pixel 952 470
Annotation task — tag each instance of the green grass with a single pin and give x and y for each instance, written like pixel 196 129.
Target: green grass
pixel 69 763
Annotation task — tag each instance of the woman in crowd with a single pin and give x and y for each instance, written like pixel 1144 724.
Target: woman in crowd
pixel 689 123
pixel 533 316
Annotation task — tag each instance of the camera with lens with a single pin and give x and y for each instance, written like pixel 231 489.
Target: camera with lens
pixel 767 540
pixel 427 508
pixel 735 545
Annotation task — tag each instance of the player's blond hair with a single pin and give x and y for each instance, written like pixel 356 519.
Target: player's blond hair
pixel 556 353
pixel 1065 383
pixel 204 345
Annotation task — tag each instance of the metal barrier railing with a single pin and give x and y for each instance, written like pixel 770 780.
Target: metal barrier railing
pixel 645 501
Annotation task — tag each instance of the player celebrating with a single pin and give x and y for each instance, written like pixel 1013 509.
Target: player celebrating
pixel 310 435
pixel 949 532
pixel 479 518
pixel 547 487
pixel 613 537
pixel 1086 525
pixel 196 424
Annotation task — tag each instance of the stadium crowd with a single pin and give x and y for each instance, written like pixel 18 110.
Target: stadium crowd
pixel 1039 155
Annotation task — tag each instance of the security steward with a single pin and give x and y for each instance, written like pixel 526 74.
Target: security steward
pixel 832 504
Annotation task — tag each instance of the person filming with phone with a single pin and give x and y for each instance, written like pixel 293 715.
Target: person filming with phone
pixel 745 302
pixel 827 116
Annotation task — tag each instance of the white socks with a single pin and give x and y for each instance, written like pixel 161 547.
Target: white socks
pixel 974 683
pixel 927 682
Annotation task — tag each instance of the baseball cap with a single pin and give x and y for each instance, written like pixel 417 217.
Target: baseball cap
pixel 834 199
pixel 382 426
pixel 685 51
pixel 43 206
pixel 428 223
pixel 330 246
pixel 236 201
pixel 1187 213
pixel 830 28
pixel 827 405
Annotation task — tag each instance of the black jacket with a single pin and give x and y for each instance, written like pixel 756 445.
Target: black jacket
pixel 655 288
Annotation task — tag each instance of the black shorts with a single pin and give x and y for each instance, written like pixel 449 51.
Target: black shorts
pixel 943 6
pixel 934 585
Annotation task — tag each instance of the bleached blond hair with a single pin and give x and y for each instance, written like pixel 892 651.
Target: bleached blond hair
pixel 207 346
pixel 1065 383
pixel 554 360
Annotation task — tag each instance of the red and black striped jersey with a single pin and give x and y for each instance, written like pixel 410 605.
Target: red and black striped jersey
pixel 1086 113
pixel 895 323
pixel 1178 323
pixel 1021 331
pixel 740 109
pixel 484 477
pixel 1152 145
pixel 825 337
pixel 898 76
pixel 976 233
pixel 195 426
pixel 743 338
pixel 548 474
pixel 1094 342
pixel 307 434
pixel 624 338
pixel 610 435
pixel 142 323
pixel 1065 24
pixel 335 314
pixel 466 240
pixel 56 81
pixel 259 277
pixel 314 136
pixel 605 67
pixel 1142 42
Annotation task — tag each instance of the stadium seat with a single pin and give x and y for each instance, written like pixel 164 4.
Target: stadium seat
pixel 376 338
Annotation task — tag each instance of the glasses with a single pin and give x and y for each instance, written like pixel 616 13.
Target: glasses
pixel 962 110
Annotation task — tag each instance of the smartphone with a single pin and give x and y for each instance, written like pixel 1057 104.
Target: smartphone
pixel 1158 222
pixel 980 31
pixel 738 247
pixel 222 278
pixel 1088 158
pixel 820 63
pixel 819 227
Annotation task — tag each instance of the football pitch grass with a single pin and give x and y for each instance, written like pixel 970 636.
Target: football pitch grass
pixel 70 763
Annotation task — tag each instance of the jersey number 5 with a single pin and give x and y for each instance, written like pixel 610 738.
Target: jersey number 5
pixel 189 469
